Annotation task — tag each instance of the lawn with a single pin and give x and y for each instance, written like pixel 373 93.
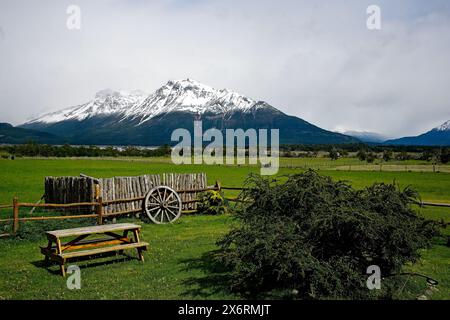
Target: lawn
pixel 177 265
pixel 24 177
pixel 174 267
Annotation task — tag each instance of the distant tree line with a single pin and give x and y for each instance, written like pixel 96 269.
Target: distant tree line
pixel 370 153
pixel 365 152
pixel 436 155
pixel 45 150
pixel 355 147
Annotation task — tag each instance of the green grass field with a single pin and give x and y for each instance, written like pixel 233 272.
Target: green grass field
pixel 172 270
pixel 177 264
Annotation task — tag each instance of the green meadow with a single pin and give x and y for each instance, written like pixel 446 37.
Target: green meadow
pixel 178 262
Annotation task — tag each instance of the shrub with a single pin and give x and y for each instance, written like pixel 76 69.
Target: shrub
pixel 370 158
pixel 334 154
pixel 211 202
pixel 402 156
pixel 445 155
pixel 316 237
pixel 430 155
pixel 361 155
pixel 387 155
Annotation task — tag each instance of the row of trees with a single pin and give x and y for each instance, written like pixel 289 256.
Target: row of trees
pixel 355 147
pixel 364 153
pixel 441 155
pixel 436 155
pixel 45 150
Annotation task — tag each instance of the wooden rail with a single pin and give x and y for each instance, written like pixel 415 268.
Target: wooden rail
pixel 98 209
pixel 115 201
pixel 198 190
pixel 432 204
pixel 80 216
pixel 112 214
pixel 233 188
pixel 58 205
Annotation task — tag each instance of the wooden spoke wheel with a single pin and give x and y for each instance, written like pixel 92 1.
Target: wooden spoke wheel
pixel 162 205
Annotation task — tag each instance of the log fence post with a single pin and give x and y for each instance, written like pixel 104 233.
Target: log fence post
pixel 217 186
pixel 15 215
pixel 99 210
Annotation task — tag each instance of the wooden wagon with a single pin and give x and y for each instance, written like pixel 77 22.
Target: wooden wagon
pixel 161 197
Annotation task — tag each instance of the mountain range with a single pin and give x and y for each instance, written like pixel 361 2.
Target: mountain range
pixel 133 118
pixel 439 136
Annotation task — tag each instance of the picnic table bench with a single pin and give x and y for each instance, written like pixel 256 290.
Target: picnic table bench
pixel 110 240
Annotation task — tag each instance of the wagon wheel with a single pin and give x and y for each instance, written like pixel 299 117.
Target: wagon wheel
pixel 162 205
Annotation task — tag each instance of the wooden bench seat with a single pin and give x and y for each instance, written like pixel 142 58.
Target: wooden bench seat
pixel 81 247
pixel 75 254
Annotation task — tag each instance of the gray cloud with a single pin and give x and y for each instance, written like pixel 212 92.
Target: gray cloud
pixel 315 60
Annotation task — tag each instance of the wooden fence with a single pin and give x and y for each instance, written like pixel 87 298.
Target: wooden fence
pixel 107 197
pixel 88 189
pixel 137 187
pixel 97 208
pixel 69 190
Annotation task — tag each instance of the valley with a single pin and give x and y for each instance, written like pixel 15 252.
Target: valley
pixel 178 265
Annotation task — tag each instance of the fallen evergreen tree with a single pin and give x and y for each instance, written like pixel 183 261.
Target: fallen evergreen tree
pixel 312 237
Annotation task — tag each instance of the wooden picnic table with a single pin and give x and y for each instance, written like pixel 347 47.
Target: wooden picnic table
pixel 110 240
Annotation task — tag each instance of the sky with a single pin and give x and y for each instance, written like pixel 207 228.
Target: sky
pixel 313 59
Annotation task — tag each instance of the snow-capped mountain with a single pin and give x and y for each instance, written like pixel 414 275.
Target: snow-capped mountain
pixel 176 96
pixel 106 102
pixel 443 127
pixel 118 117
pixel 439 136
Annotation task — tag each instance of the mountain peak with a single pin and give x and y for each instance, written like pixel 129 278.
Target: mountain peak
pixel 443 127
pixel 439 136
pixel 109 93
pixel 186 83
pixel 192 96
pixel 189 84
pixel 106 93
pixel 106 102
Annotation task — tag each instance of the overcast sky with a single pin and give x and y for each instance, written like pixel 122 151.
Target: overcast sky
pixel 313 59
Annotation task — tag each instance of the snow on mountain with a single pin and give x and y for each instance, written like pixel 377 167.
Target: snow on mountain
pixel 120 118
pixel 439 136
pixel 106 102
pixel 189 96
pixel 185 95
pixel 443 127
